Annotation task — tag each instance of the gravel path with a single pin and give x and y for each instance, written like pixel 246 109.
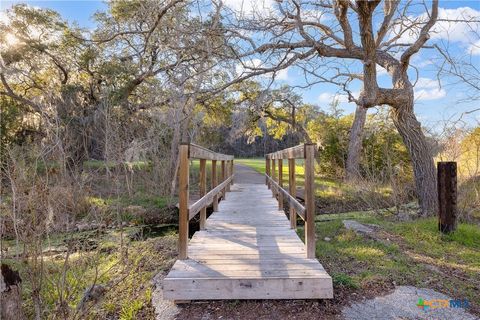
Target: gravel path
pixel 402 304
pixel 245 174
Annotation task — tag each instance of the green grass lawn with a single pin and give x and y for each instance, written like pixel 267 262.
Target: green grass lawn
pixel 325 186
pixel 405 253
pixel 333 195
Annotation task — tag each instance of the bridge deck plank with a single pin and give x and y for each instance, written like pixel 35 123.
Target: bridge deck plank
pixel 247 251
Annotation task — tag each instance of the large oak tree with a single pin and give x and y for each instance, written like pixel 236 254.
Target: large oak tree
pixel 344 30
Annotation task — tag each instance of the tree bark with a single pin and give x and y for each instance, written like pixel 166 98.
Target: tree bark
pixel 422 160
pixel 10 294
pixel 355 144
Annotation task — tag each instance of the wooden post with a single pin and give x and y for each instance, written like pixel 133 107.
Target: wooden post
pixel 231 170
pixel 203 191
pixel 183 201
pixel 280 183
pixel 447 196
pixel 223 168
pixel 267 171
pixel 214 184
pixel 310 200
pixel 228 168
pixel 292 189
pixel 273 177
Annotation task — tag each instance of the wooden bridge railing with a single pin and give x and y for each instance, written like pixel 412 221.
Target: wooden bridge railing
pixel 275 183
pixel 189 151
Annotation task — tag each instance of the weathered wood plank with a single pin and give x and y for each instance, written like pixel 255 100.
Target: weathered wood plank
pixel 310 200
pixel 297 152
pixel 447 196
pixel 183 191
pixel 247 251
pixel 214 184
pixel 298 288
pixel 199 152
pixel 300 210
pixel 280 183
pixel 292 190
pixel 207 199
pixel 202 191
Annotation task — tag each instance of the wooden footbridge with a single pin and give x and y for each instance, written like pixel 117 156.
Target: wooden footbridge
pixel 247 248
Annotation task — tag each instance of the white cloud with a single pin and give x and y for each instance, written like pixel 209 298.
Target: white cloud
pixel 282 74
pixel 428 89
pixel 316 15
pixel 432 94
pixel 454 31
pixel 251 7
pixel 328 97
pixel 474 48
pixel 426 83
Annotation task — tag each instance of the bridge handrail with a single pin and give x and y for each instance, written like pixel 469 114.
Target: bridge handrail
pixel 293 202
pixel 307 212
pixel 189 151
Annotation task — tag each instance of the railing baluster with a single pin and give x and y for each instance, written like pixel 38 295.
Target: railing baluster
pixel 292 188
pixel 186 152
pixel 203 191
pixel 273 177
pixel 228 168
pixel 310 200
pixel 280 183
pixel 224 196
pixel 214 184
pixel 267 170
pixel 183 189
pixel 231 170
pixel 306 211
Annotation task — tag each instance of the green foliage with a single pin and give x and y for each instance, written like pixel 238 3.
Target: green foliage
pixel 384 152
pixel 130 309
pixel 10 124
pixel 344 280
pixel 331 131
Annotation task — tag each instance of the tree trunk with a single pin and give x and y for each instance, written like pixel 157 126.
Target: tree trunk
pixel 421 155
pixel 10 294
pixel 355 144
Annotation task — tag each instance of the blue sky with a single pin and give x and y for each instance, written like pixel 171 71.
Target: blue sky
pixel 435 102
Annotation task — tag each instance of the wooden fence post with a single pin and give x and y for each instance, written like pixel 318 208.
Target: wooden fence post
pixel 203 191
pixel 292 188
pixel 280 183
pixel 273 177
pixel 183 201
pixel 310 200
pixel 447 196
pixel 231 170
pixel 214 184
pixel 228 168
pixel 224 193
pixel 267 171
